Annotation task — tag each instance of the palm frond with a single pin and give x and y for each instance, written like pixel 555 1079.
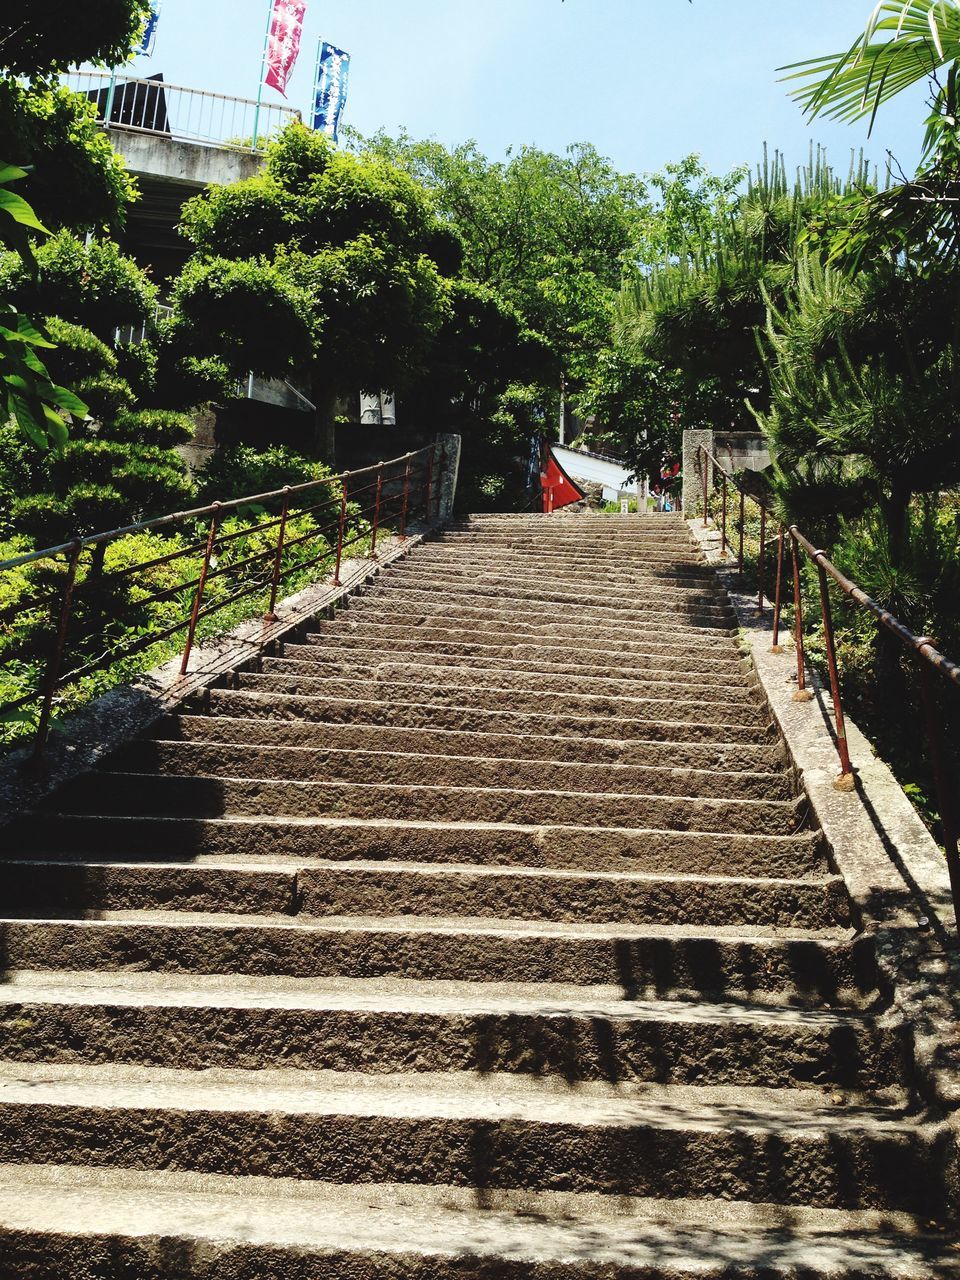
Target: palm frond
pixel 921 37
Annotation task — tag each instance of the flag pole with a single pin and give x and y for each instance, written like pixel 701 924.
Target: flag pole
pixel 263 67
pixel 316 82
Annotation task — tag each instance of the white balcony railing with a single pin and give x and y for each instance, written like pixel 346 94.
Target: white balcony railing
pixel 174 111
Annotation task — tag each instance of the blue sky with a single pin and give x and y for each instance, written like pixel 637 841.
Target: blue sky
pixel 647 81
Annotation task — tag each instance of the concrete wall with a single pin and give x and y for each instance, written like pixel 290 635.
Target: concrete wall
pixel 192 164
pixel 734 450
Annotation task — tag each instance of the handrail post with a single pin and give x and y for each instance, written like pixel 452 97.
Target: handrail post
pixel 341 527
pixel 763 549
pixel 52 673
pixel 802 694
pixel 949 820
pixel 376 513
pixel 723 514
pixel 429 485
pixel 706 480
pixel 776 647
pixel 406 501
pixel 201 585
pixel 271 614
pixel 743 516
pixel 845 782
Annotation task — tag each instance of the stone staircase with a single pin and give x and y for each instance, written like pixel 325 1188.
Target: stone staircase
pixel 482 933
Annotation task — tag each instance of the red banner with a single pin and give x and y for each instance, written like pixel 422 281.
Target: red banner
pixel 283 44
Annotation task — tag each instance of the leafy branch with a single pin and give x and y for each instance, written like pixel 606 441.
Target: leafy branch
pixel 28 395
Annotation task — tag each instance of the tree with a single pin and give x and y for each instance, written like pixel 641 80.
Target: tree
pixel 699 312
pixel 118 467
pixel 38 41
pixel 327 266
pixel 548 233
pixel 865 378
pixel 53 131
pixel 90 283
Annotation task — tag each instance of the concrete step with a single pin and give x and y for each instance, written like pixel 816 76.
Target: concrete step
pixel 483 623
pixel 315 764
pixel 351 645
pixel 211 797
pixel 708 655
pixel 420 714
pixel 484 695
pixel 491 1130
pixel 532 572
pixel 624 599
pixel 574 1033
pixel 762 965
pixel 115 1224
pixel 642 553
pixel 60 890
pixel 588 617
pixel 416 889
pixel 469 675
pixel 318 888
pixel 800 856
pixel 705 757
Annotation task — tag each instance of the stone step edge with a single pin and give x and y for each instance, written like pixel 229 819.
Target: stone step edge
pixel 506 762
pixel 97 987
pixel 602 797
pixel 257 867
pixel 440 1230
pixel 495 1097
pixel 440 732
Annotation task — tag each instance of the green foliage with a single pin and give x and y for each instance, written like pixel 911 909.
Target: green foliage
pixel 235 471
pixel 865 380
pixel 94 284
pixel 922 36
pixel 54 132
pixel 699 313
pixel 320 266
pixel 118 467
pixel 249 314
pixel 29 395
pixel 37 40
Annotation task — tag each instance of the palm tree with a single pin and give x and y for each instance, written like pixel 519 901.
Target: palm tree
pixel 905 43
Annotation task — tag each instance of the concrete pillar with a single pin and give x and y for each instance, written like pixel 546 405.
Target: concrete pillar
pixel 693 495
pixel 448 447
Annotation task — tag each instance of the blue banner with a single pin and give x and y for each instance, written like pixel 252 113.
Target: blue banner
pixel 330 93
pixel 150 31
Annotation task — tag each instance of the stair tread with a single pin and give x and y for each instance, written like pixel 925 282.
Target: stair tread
pixel 440 1223
pixel 624 768
pixel 419 787
pixel 418 732
pixel 463 925
pixel 426 824
pixel 455 1095
pixel 398 995
pixel 269 865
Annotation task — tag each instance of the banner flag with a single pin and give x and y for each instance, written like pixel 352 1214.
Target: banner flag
pixel 330 92
pixel 283 43
pixel 149 37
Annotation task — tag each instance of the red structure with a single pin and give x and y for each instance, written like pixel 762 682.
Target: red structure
pixel 556 487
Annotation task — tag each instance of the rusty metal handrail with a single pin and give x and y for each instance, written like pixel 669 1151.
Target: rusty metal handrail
pixel 398 490
pixel 931 659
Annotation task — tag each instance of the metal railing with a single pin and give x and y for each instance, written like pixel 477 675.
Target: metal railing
pixel 175 111
pixel 73 613
pixel 931 663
